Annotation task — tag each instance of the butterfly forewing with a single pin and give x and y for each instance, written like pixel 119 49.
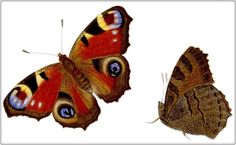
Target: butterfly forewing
pixel 106 35
pixel 36 94
pixel 191 70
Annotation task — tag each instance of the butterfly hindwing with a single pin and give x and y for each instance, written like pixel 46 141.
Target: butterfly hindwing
pixel 51 89
pixel 109 77
pixel 36 94
pixel 75 107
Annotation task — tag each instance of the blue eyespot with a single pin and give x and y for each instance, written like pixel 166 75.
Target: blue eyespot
pixel 66 111
pixel 114 68
pixel 18 99
pixel 117 20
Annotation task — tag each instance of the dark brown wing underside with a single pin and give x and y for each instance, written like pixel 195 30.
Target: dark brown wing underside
pixel 192 104
pixel 202 110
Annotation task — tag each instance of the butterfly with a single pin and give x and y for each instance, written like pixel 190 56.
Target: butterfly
pixel 192 104
pixel 95 65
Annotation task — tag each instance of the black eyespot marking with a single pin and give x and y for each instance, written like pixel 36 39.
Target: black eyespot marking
pixel 94 28
pixel 85 41
pixel 114 68
pixel 31 82
pixel 43 75
pixel 66 111
pixel 96 64
pixel 64 95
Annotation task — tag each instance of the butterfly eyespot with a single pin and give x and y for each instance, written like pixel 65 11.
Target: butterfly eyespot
pixel 111 20
pixel 20 97
pixel 66 111
pixel 114 68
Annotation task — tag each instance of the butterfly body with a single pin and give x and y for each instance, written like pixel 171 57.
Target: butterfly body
pixel 192 104
pixel 75 72
pixel 95 65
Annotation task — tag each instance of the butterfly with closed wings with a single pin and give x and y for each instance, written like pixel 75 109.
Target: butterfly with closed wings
pixel 192 104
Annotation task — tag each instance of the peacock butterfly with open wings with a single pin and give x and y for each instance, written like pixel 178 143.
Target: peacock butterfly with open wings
pixel 95 65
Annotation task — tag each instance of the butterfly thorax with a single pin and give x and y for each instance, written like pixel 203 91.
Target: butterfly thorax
pixel 70 67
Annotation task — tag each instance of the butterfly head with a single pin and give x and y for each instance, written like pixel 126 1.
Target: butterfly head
pixel 66 62
pixel 161 109
pixel 162 114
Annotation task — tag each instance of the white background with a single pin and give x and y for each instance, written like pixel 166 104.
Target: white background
pixel 159 33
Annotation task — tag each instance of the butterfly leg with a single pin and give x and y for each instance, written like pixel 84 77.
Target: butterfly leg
pixel 154 120
pixel 184 133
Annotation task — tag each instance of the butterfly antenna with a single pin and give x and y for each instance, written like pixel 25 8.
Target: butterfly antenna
pixel 30 52
pixel 166 76
pixel 164 79
pixel 61 35
pixel 39 53
pixel 163 87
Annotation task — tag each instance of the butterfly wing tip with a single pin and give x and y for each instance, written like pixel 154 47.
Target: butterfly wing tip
pixel 9 115
pixel 84 128
pixel 127 88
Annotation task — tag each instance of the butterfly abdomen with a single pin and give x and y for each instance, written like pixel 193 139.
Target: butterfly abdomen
pixel 72 69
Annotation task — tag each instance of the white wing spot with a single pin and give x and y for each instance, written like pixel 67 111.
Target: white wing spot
pixel 114 32
pixel 114 40
pixel 40 104
pixel 32 103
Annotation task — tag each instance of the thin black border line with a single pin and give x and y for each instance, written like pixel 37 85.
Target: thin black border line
pixel 115 1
